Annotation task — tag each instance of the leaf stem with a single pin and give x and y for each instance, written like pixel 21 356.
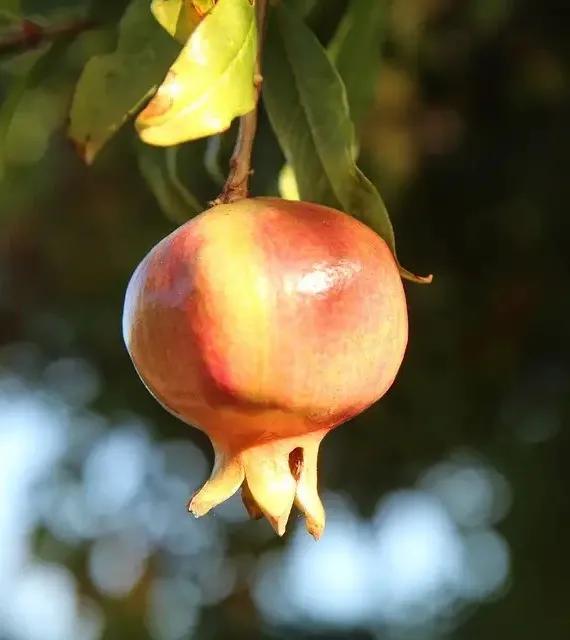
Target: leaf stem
pixel 31 35
pixel 237 183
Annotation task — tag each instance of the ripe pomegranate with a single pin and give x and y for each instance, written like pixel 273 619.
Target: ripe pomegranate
pixel 267 323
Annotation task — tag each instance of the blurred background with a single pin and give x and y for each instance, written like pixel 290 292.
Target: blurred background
pixel 448 503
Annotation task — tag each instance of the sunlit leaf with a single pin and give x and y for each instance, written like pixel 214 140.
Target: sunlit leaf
pixel 308 109
pixel 355 50
pixel 115 85
pixel 203 6
pixel 287 183
pixel 180 17
pixel 210 83
pixel 159 168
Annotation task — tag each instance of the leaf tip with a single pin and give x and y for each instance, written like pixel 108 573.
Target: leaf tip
pixel 412 277
pixel 85 149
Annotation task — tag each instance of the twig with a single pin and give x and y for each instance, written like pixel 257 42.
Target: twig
pixel 237 184
pixel 31 35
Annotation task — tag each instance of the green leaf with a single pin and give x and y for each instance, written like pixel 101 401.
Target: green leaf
pixel 210 83
pixel 32 77
pixel 307 106
pixel 11 7
pixel 303 7
pixel 159 168
pixel 9 18
pixel 219 150
pixel 355 50
pixel 113 86
pixel 180 17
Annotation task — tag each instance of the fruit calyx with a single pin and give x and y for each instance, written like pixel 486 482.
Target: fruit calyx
pixel 274 476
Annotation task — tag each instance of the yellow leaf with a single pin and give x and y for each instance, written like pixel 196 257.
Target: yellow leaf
pixel 180 17
pixel 210 83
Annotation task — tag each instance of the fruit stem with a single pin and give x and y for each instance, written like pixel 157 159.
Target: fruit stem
pixel 237 183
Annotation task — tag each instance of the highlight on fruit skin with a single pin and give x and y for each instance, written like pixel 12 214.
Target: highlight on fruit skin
pixel 266 323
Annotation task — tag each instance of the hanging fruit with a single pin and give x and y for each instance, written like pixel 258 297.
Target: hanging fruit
pixel 266 323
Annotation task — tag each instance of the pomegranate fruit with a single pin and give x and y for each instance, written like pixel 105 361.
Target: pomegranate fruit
pixel 266 323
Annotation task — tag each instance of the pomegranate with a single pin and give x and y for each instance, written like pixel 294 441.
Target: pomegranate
pixel 266 323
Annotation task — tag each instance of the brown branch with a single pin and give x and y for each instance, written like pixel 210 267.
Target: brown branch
pixel 237 184
pixel 31 35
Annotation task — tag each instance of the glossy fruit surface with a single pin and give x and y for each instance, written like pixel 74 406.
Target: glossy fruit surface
pixel 266 323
